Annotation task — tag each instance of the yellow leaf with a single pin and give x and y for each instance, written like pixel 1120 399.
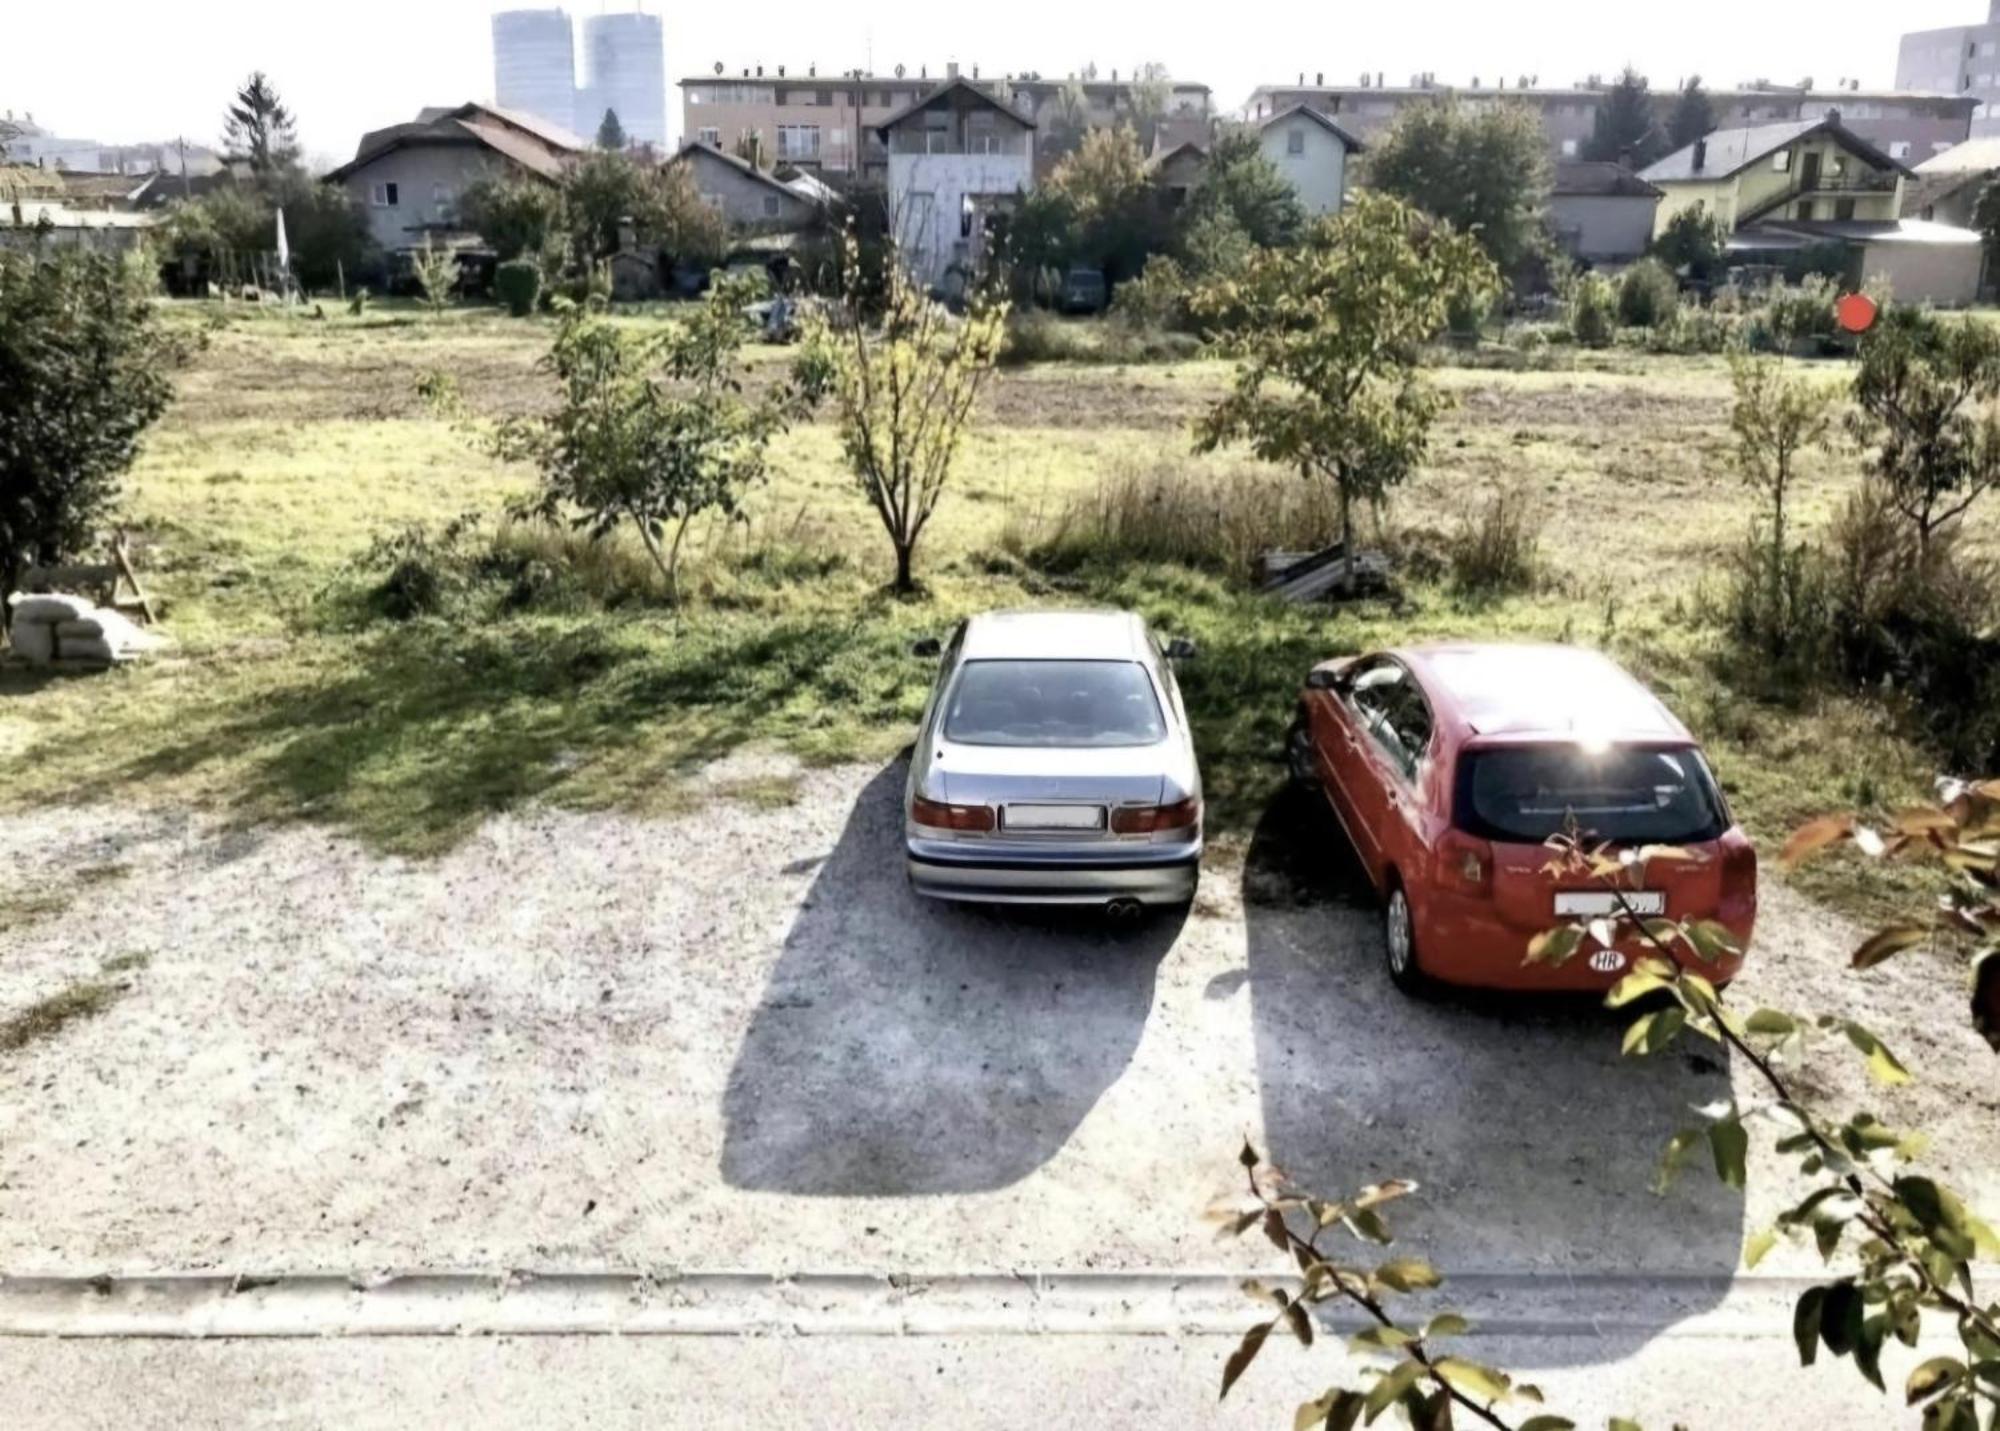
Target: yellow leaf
pixel 1809 839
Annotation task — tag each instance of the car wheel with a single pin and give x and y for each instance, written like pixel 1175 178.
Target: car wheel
pixel 1299 753
pixel 1399 937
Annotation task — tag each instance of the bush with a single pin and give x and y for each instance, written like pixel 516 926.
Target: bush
pixel 1648 294
pixel 1034 336
pixel 519 284
pixel 1692 328
pixel 1496 548
pixel 1157 298
pixel 1590 309
pixel 1173 509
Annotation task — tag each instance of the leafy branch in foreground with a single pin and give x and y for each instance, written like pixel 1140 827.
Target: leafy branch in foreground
pixel 1907 1242
pixel 1425 1382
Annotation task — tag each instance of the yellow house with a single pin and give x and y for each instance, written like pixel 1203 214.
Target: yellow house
pixel 1811 171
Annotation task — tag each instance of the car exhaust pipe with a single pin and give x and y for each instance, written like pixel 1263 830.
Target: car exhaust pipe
pixel 1124 911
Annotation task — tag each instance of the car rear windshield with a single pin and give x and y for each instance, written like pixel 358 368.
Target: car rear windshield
pixel 1625 794
pixel 1069 703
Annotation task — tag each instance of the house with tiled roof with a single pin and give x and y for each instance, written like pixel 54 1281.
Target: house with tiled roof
pixel 1310 151
pixel 409 176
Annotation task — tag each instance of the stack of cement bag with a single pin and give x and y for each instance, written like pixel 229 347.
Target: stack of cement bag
pixel 68 631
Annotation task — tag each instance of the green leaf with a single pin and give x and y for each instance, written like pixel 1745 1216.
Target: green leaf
pixel 1248 1157
pixel 1840 1319
pixel 1758 1247
pixel 1389 1389
pixel 1932 1377
pixel 1446 1324
pixel 1555 946
pixel 1675 1154
pixel 1245 1353
pixel 1549 1423
pixel 1806 1317
pixel 1408 1274
pixel 1883 1066
pixel 1868 1348
pixel 1380 1339
pixel 1729 1141
pixel 1367 1224
pixel 1771 1023
pixel 1300 1322
pixel 1375 1194
pixel 1635 985
pixel 1713 941
pixel 1888 943
pixel 1470 1379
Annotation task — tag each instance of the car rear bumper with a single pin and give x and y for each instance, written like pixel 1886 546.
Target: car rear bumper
pixel 1459 945
pixel 1168 878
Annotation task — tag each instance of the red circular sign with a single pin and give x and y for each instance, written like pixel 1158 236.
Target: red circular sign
pixel 1856 312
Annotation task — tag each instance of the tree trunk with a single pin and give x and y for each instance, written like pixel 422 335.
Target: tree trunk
pixel 1346 539
pixel 905 553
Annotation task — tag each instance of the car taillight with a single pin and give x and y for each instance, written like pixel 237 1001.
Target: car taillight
pixel 1739 873
pixel 1149 819
pixel 939 816
pixel 1465 864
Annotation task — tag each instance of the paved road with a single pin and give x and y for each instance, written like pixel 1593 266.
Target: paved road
pixel 731 1043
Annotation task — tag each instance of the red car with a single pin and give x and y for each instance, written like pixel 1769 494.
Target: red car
pixel 1450 766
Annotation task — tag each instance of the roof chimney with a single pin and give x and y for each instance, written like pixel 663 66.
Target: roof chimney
pixel 951 69
pixel 1700 154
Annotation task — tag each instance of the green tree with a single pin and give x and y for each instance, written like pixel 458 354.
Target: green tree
pixel 1693 243
pixel 1926 393
pixel 1328 337
pixel 605 191
pixel 518 214
pixel 1778 415
pixel 1626 129
pixel 436 272
pixel 1240 184
pixel 650 430
pixel 1112 202
pixel 258 130
pixel 1692 116
pixel 1152 95
pixel 83 374
pixel 1065 120
pixel 904 384
pixel 610 133
pixel 1485 172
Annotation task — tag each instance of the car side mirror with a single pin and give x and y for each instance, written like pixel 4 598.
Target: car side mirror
pixel 1322 679
pixel 1180 649
pixel 929 647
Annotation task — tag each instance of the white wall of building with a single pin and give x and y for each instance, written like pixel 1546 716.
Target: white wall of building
pixel 1313 161
pixel 927 194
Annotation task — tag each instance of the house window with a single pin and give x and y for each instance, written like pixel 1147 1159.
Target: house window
pixel 1805 208
pixel 1295 140
pixel 798 141
pixel 382 196
pixel 1569 149
pixel 1781 162
pixel 770 206
pixel 1900 149
pixel 822 96
pixel 1843 209
pixel 440 201
pixel 711 137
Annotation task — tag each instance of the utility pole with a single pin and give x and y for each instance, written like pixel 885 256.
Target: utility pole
pixel 181 145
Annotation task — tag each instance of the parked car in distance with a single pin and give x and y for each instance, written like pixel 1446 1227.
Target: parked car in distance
pixel 1054 766
pixel 1084 291
pixel 1450 766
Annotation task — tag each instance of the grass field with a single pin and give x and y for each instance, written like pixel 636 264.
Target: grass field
pixel 296 442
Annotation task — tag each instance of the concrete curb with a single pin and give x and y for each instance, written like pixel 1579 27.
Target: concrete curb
pixel 526 1303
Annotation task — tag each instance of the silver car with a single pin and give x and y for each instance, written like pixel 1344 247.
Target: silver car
pixel 1054 766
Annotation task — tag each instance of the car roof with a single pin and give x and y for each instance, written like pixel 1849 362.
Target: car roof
pixel 1055 635
pixel 1523 690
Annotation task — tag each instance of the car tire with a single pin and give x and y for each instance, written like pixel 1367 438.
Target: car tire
pixel 1399 941
pixel 1299 754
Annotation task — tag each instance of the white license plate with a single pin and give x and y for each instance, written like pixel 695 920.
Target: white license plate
pixel 1055 817
pixel 1592 904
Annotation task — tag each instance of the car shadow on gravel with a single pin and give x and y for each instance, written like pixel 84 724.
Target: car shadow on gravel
pixel 905 1047
pixel 1534 1141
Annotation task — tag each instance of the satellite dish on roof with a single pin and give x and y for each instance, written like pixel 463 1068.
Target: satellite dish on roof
pixel 899 71
pixel 718 66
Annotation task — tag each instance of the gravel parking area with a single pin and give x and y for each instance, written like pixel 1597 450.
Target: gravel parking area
pixel 732 1040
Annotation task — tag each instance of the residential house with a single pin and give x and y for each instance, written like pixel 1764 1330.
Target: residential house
pixel 1792 191
pixel 959 161
pixel 1178 170
pixel 409 176
pixel 831 123
pixel 1948 185
pixel 1601 213
pixel 747 198
pixel 27 223
pixel 1962 60
pixel 1310 151
pixel 1902 123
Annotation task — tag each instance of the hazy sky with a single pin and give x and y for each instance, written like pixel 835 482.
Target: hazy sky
pixel 134 70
